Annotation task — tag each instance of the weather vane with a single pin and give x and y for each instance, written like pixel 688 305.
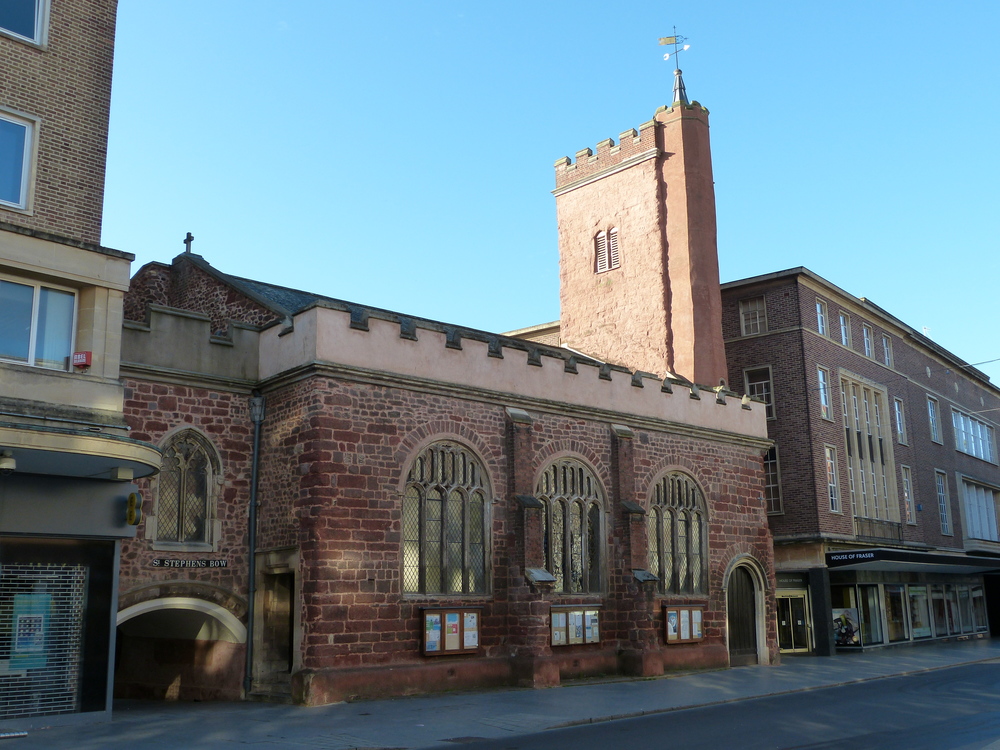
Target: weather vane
pixel 680 92
pixel 679 46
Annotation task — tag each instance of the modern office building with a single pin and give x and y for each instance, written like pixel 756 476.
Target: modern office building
pixel 883 482
pixel 67 459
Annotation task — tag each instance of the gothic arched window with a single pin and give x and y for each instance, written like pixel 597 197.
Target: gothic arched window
pixel 571 519
pixel 676 532
pixel 185 508
pixel 445 522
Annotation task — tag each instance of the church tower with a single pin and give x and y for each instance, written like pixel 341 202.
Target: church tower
pixel 639 269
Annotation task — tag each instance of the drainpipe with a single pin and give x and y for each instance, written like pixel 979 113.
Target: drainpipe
pixel 257 417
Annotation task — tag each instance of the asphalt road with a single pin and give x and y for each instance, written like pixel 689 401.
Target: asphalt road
pixel 948 709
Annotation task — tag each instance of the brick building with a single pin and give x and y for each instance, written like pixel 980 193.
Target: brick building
pixel 883 483
pixel 66 455
pixel 432 507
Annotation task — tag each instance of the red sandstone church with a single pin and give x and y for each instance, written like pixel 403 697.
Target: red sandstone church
pixel 420 506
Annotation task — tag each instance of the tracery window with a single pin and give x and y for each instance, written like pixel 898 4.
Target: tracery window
pixel 184 489
pixel 677 538
pixel 445 522
pixel 573 504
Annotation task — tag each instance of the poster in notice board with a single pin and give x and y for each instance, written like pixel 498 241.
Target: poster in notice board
pixel 451 631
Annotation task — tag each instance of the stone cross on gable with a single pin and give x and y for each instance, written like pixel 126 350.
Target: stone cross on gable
pixel 187 242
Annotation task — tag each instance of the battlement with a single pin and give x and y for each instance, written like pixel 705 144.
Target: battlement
pixel 379 346
pixel 633 146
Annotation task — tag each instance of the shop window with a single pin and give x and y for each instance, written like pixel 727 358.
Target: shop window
pixel 36 324
pixel 572 510
pixel 677 538
pixel 445 522
pixel 920 619
pixel 895 613
pixel 186 494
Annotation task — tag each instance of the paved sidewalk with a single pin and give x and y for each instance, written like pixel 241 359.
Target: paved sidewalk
pixel 441 720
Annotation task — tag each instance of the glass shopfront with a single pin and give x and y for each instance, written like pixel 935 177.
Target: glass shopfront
pixel 872 614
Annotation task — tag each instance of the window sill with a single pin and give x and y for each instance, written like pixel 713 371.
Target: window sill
pixel 39 45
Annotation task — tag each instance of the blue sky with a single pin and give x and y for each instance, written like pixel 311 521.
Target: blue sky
pixel 400 154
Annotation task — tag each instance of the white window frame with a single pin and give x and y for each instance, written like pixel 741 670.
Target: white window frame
pixel 934 419
pixel 973 436
pixel 944 501
pixel 30 125
pixel 753 316
pixel 769 401
pixel 869 340
pixel 772 489
pixel 40 36
pixel 33 333
pixel 979 508
pixel 886 350
pixel 821 320
pixel 899 412
pixel 825 403
pixel 845 329
pixel 907 477
pixel 832 480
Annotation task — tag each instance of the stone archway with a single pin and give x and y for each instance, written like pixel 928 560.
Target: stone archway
pixel 179 648
pixel 746 630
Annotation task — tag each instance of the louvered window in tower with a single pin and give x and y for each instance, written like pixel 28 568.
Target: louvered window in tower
pixel 601 252
pixel 606 255
pixel 613 261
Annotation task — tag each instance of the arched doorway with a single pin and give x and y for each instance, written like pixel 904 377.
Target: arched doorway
pixel 741 607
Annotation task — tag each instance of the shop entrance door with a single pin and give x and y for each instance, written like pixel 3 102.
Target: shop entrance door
pixel 742 609
pixel 794 624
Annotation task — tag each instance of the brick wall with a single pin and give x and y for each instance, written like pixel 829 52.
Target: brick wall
pixel 67 84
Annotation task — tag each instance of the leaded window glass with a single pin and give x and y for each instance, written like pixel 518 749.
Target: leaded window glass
pixel 573 504
pixel 678 544
pixel 184 490
pixel 444 522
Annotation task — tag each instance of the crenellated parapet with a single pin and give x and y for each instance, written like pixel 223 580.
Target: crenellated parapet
pixel 632 146
pixel 379 346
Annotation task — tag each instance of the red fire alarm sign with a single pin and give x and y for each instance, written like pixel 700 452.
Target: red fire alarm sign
pixel 81 359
